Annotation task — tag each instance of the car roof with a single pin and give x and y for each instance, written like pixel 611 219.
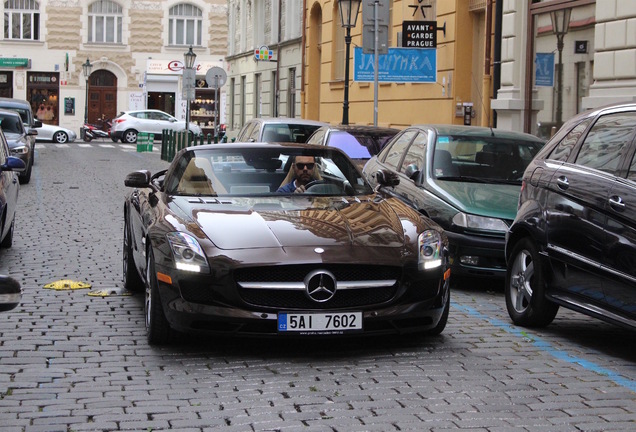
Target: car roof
pixel 445 129
pixel 18 103
pixel 288 120
pixel 10 113
pixel 363 129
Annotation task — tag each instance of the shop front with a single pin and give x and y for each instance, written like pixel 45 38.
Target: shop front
pixel 43 90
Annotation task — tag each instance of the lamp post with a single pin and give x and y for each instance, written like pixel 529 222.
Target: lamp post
pixel 348 17
pixel 560 25
pixel 188 63
pixel 86 68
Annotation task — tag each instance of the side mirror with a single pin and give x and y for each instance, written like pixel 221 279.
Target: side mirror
pixel 32 132
pixel 13 164
pixel 412 172
pixel 37 123
pixel 138 179
pixel 387 178
pixel 10 293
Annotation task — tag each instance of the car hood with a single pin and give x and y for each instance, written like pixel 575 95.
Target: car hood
pixel 490 200
pixel 290 222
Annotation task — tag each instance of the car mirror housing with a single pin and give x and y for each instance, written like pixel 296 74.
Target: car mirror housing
pixel 13 164
pixel 412 172
pixel 138 179
pixel 37 123
pixel 10 293
pixel 387 178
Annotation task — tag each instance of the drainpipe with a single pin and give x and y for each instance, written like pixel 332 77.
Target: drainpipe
pixel 302 61
pixel 485 115
pixel 496 72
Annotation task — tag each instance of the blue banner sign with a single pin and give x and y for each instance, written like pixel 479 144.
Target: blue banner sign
pixel 400 65
pixel 544 70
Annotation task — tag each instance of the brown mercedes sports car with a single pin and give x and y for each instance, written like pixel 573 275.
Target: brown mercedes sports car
pixel 227 241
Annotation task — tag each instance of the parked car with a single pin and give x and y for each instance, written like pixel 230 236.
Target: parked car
pixel 359 142
pixel 278 129
pixel 10 293
pixel 54 133
pixel 465 178
pixel 19 141
pixel 130 123
pixel 573 242
pixel 9 190
pixel 216 248
pixel 23 108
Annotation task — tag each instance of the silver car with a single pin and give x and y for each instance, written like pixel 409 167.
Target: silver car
pixel 57 134
pixel 129 124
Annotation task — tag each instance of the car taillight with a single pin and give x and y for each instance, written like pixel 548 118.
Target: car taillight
pixel 119 120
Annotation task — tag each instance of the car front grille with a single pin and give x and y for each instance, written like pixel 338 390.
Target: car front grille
pixel 382 285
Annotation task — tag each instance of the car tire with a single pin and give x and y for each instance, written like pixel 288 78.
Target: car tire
pixel 441 325
pixel 525 287
pixel 157 327
pixel 60 137
pixel 114 139
pixel 7 242
pixel 132 280
pixel 130 136
pixel 25 177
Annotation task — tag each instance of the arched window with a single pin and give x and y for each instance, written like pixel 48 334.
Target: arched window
pixel 185 25
pixel 22 19
pixel 104 22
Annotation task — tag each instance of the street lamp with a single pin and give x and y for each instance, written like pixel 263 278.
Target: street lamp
pixel 87 68
pixel 188 63
pixel 560 25
pixel 348 17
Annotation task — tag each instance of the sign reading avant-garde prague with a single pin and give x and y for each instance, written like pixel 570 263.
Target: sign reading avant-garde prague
pixel 419 34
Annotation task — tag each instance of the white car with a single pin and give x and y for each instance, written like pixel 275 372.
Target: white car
pixel 55 133
pixel 130 123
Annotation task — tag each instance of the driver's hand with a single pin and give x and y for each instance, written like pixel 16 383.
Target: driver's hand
pixel 300 189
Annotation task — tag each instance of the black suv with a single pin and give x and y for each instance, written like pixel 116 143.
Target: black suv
pixel 573 242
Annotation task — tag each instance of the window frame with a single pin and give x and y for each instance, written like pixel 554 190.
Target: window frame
pixel 11 11
pixel 188 25
pixel 117 22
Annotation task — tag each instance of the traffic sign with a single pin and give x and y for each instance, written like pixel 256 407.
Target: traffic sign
pixel 216 76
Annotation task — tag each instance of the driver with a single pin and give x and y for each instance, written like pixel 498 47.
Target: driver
pixel 301 173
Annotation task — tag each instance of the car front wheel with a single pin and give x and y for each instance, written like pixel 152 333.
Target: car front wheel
pixel 525 288
pixel 130 136
pixel 60 137
pixel 157 327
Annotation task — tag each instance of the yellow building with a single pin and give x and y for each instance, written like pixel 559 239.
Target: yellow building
pixel 463 56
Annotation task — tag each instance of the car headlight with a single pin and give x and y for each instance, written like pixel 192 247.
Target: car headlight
pixel 479 222
pixel 20 150
pixel 430 247
pixel 187 253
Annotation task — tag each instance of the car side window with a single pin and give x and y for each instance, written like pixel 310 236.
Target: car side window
pixel 255 132
pixel 395 153
pixel 4 150
pixel 562 151
pixel 416 153
pixel 607 141
pixel 317 137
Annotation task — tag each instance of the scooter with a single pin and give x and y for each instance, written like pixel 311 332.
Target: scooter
pixel 91 132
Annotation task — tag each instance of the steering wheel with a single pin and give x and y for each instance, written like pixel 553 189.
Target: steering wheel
pixel 314 183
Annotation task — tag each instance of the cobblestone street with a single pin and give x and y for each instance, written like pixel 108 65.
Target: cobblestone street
pixel 70 361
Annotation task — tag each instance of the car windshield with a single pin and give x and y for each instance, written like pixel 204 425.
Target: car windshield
pixel 10 124
pixel 261 172
pixel 286 132
pixel 483 159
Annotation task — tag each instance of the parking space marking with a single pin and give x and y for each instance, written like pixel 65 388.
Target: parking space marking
pixel 107 145
pixel 548 348
pixel 85 145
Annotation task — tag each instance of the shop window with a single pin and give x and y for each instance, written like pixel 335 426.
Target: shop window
pixel 22 20
pixel 104 22
pixel 185 21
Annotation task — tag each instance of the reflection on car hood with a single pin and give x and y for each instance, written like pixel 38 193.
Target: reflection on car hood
pixel 287 222
pixel 491 200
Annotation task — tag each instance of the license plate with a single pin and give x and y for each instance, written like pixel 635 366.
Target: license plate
pixel 320 323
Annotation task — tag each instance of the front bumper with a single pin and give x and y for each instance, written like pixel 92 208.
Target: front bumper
pixel 473 255
pixel 198 303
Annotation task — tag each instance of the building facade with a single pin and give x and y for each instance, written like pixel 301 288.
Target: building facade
pixel 264 59
pixel 497 59
pixel 135 48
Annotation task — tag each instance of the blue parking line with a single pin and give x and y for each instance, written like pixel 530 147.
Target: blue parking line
pixel 547 347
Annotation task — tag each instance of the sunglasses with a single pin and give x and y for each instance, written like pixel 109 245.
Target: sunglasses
pixel 302 166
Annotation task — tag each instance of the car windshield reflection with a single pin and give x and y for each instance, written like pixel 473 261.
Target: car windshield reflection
pixel 264 172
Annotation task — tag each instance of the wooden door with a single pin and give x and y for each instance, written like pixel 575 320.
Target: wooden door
pixel 102 97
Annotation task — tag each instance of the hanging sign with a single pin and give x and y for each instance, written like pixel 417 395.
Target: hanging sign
pixel 264 54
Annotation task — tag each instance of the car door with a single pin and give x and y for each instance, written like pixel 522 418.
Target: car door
pixel 161 121
pixel 576 210
pixel 9 188
pixel 619 258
